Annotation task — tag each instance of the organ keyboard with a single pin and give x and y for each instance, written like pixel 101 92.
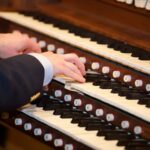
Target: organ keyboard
pixel 110 110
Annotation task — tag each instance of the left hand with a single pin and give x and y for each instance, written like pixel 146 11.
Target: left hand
pixel 12 44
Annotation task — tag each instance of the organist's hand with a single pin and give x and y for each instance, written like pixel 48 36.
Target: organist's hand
pixel 12 44
pixel 67 64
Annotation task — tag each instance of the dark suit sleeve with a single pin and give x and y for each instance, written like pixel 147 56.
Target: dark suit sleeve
pixel 20 78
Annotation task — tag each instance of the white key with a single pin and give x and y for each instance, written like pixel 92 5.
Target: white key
pixel 83 43
pixel 148 5
pixel 72 130
pixel 140 3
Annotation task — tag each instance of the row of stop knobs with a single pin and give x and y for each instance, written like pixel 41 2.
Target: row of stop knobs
pixel 99 112
pixel 39 132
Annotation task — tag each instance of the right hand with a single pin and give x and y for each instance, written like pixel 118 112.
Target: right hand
pixel 67 64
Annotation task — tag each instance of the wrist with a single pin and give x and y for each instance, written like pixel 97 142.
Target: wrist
pixel 47 65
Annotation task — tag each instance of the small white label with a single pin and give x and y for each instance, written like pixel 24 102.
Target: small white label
pixel 48 137
pixel 18 121
pixel 137 130
pixel 88 107
pixel 138 83
pixel 99 112
pixel 42 44
pixel 83 60
pixel 37 131
pixel 77 102
pixel 110 117
pixel 127 78
pixel 51 47
pixel 58 93
pixel 58 142
pixel 68 147
pixel 60 51
pixel 67 98
pixel 116 74
pixel 95 65
pixel 147 87
pixel 105 69
pixel 27 126
pixel 125 124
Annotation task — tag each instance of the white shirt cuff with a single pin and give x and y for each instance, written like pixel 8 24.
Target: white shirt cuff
pixel 47 65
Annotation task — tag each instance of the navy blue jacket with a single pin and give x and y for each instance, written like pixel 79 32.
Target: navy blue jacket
pixel 20 78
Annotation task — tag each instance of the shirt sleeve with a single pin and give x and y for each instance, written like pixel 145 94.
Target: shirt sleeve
pixel 47 65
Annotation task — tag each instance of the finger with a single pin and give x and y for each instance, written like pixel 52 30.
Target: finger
pixel 73 68
pixel 69 73
pixel 32 47
pixel 75 59
pixel 28 45
pixel 18 33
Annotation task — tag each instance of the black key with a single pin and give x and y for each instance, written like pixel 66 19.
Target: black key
pixel 42 100
pixel 144 100
pixel 148 104
pixel 90 77
pixel 123 91
pixel 133 141
pixel 53 106
pixel 102 39
pixel 99 126
pixel 126 49
pixel 105 85
pixel 116 89
pixel 119 87
pixel 143 55
pixel 118 136
pixel 138 147
pixel 72 114
pixel 112 43
pixel 85 122
pixel 118 46
pixel 134 95
pixel 109 85
pixel 102 78
pixel 61 111
pixel 106 131
pixel 76 119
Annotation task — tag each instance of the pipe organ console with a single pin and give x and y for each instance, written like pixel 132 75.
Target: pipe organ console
pixel 112 109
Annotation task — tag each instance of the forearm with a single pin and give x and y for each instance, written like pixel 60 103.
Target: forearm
pixel 20 78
